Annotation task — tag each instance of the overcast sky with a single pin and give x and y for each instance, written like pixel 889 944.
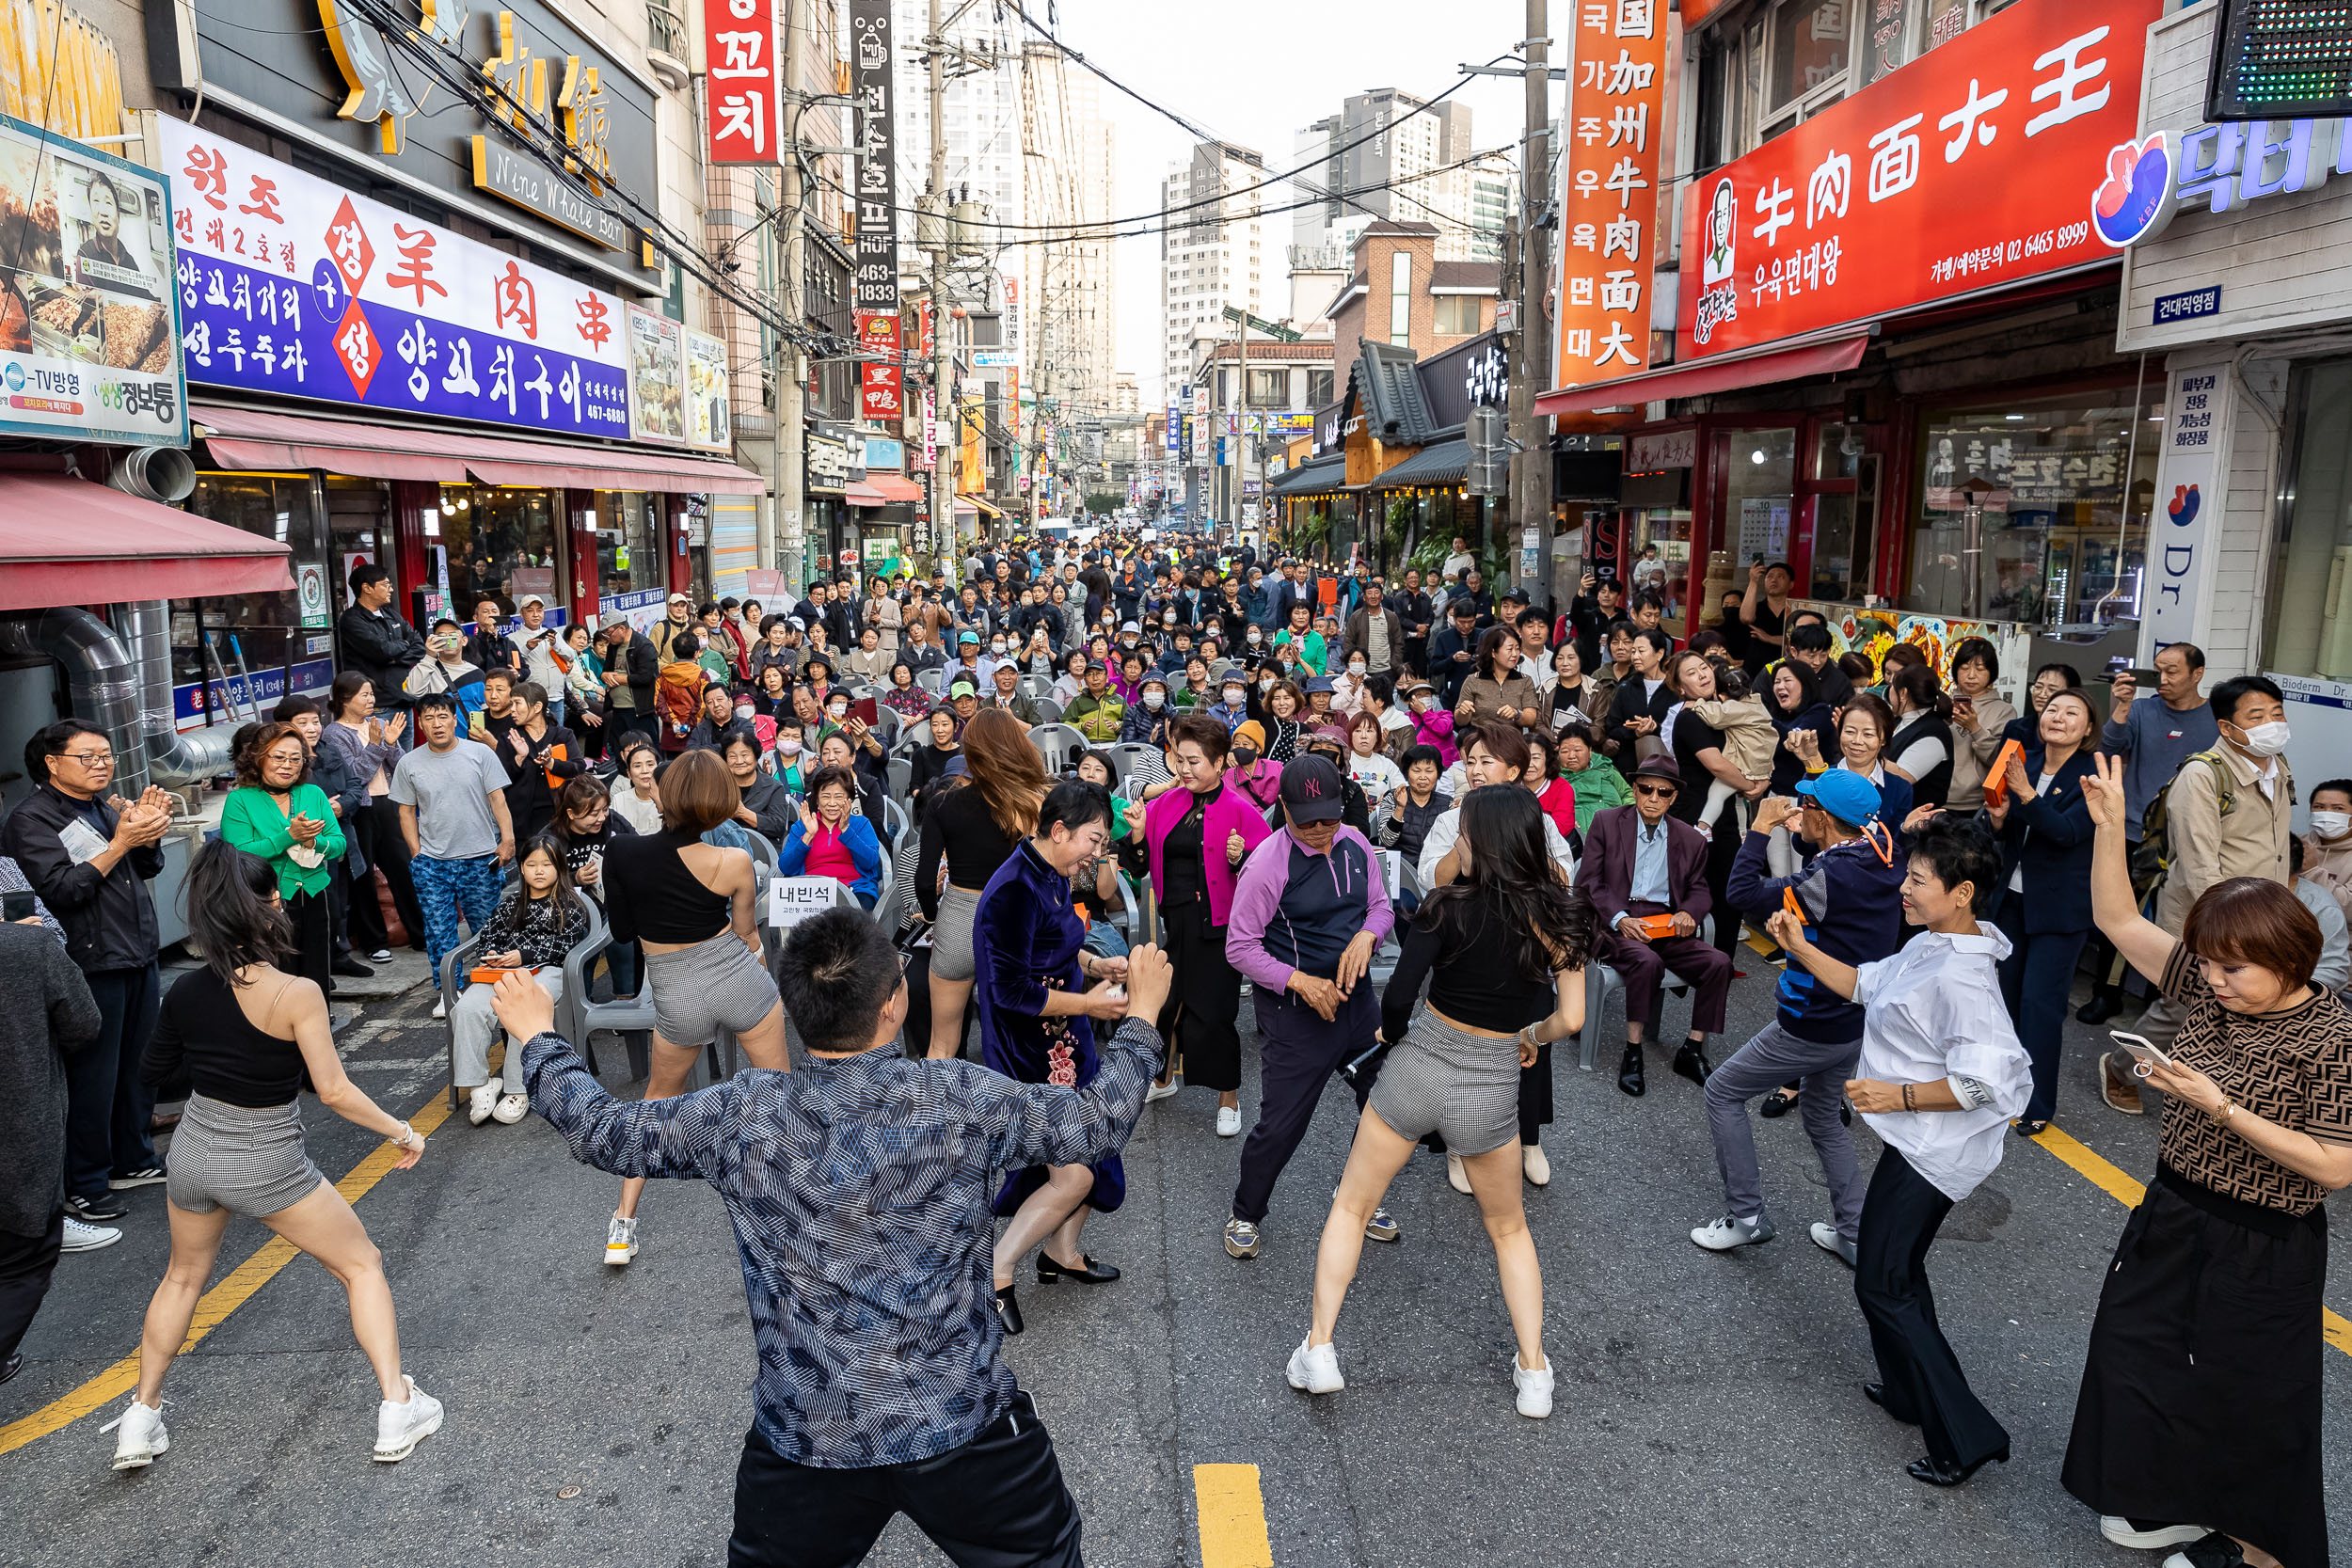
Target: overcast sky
pixel 1256 71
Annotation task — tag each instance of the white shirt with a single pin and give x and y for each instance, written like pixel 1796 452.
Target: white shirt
pixel 1376 774
pixel 1446 829
pixel 643 815
pixel 1455 564
pixel 1931 1011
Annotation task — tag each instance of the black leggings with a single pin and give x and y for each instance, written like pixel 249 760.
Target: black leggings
pixel 381 844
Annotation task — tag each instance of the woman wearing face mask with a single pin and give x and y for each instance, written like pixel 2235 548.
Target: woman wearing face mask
pixel 1347 688
pixel 2044 825
pixel 2328 848
pixel 1147 719
pixel 1433 727
pixel 1231 706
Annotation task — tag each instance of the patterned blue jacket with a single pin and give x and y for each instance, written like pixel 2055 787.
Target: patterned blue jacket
pixel 859 1192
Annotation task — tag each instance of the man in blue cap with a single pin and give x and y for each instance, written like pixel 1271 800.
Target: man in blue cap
pixel 1849 898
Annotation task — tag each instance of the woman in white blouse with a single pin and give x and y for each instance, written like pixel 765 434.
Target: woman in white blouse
pixel 1940 1075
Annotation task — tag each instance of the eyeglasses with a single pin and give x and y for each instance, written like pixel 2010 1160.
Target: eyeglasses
pixel 1654 792
pixel 89 759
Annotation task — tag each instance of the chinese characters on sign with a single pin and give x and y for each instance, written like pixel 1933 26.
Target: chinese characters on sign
pixel 739 44
pixel 1609 189
pixel 1960 173
pixel 288 284
pixel 882 381
pixel 874 284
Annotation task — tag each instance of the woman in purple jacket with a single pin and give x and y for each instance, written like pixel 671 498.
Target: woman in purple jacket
pixel 1195 837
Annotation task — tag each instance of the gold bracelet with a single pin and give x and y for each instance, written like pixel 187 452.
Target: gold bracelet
pixel 2229 1109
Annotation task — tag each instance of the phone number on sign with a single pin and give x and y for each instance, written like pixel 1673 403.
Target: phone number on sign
pixel 1989 258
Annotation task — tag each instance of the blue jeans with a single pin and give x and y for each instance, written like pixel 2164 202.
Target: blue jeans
pixel 107 1107
pixel 445 890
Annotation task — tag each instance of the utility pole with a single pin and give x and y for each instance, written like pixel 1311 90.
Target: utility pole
pixel 1530 511
pixel 939 537
pixel 1241 424
pixel 791 449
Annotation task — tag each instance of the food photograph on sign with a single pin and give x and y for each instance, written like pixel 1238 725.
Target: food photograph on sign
pixel 657 377
pixel 707 418
pixel 88 339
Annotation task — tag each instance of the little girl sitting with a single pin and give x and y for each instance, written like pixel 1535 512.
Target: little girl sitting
pixel 535 926
pixel 1749 737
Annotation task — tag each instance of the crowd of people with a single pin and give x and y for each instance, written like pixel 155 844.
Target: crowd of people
pixel 996 772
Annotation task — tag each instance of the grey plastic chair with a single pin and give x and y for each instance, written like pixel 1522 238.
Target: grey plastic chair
pixel 1125 756
pixel 895 820
pixel 1060 744
pixel 1599 980
pixel 901 773
pixel 1034 685
pixel 929 680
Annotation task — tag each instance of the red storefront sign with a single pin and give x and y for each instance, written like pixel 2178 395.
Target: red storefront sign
pixel 881 384
pixel 1608 190
pixel 1961 172
pixel 739 44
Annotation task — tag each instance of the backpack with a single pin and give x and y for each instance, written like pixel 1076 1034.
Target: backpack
pixel 2152 857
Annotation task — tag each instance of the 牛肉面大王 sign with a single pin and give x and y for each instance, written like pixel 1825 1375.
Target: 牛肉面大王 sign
pixel 290 285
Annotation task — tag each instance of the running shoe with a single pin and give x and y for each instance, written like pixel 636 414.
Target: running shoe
pixel 1241 1237
pixel 512 1108
pixel 1825 1236
pixel 87 1210
pixel 143 1436
pixel 2147 1535
pixel 146 1176
pixel 440 1006
pixel 1315 1369
pixel 1382 1226
pixel 1533 1387
pixel 1228 1120
pixel 399 1428
pixel 381 955
pixel 1722 1235
pixel 1161 1091
pixel 620 1240
pixel 87 1238
pixel 480 1102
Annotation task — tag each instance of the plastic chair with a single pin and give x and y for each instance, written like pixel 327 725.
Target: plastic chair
pixel 901 773
pixel 888 721
pixel 1060 744
pixel 1034 685
pixel 1051 709
pixel 896 823
pixel 455 964
pixel 929 680
pixel 1599 980
pixel 1126 757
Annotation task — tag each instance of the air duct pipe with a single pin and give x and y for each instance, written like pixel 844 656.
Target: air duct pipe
pixel 171 757
pixel 101 683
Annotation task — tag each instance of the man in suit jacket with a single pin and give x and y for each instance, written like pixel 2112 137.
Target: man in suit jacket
pixel 1639 862
pixel 1388 659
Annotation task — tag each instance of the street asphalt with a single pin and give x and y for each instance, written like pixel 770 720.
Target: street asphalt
pixel 1708 1407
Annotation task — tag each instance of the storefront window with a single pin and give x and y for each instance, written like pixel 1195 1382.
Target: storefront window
pixel 2307 623
pixel 1668 574
pixel 260 635
pixel 1845 523
pixel 498 544
pixel 2036 514
pixel 628 541
pixel 1763 493
pixel 1808 47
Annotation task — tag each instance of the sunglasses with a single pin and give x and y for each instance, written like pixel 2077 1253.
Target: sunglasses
pixel 1654 792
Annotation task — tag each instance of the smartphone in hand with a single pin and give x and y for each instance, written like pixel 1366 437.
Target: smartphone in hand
pixel 2143 1054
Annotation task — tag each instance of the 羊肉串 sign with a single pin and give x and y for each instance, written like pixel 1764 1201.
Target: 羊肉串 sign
pixel 1963 172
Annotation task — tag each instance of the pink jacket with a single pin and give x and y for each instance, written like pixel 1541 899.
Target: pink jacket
pixel 1435 728
pixel 1230 813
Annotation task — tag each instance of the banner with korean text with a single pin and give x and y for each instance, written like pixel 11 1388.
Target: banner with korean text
pixel 740 46
pixel 1960 172
pixel 1608 190
pixel 290 284
pixel 881 376
pixel 874 284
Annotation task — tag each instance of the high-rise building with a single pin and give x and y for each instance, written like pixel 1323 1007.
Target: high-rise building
pixel 1494 195
pixel 1068 163
pixel 1386 155
pixel 1214 252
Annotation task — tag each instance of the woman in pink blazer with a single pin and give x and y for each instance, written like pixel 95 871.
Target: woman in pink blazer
pixel 1196 838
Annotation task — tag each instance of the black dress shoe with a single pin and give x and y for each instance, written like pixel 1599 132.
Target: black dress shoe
pixel 1941 1472
pixel 1876 1394
pixel 1630 1071
pixel 351 968
pixel 1009 1310
pixel 1690 1062
pixel 2105 1002
pixel 1778 1103
pixel 1091 1272
pixel 14 1365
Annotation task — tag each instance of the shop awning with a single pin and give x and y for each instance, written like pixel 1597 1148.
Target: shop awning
pixel 882 490
pixel 1322 477
pixel 967 503
pixel 1443 464
pixel 258 438
pixel 67 541
pixel 1703 376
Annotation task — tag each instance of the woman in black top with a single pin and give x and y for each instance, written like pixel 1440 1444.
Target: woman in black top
pixel 539 756
pixel 1502 947
pixel 977 828
pixel 248 1034
pixel 1697 747
pixel 585 822
pixel 929 760
pixel 1921 749
pixel 1794 700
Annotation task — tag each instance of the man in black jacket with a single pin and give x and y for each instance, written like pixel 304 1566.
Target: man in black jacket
pixel 630 669
pixel 1453 652
pixel 89 854
pixel 375 641
pixel 46 1022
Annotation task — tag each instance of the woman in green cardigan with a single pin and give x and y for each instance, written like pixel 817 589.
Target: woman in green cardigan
pixel 276 813
pixel 1597 783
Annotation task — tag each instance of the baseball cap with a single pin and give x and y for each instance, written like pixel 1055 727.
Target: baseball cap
pixel 531 599
pixel 681 598
pixel 1311 789
pixel 963 689
pixel 956 767
pixel 1130 626
pixel 1846 795
pixel 968 635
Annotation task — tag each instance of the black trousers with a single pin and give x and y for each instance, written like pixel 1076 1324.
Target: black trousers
pixel 315 936
pixel 25 1264
pixel 1203 1005
pixel 383 847
pixel 996 1502
pixel 1924 1383
pixel 1297 1053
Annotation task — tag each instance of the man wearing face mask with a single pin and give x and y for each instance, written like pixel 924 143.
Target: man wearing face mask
pixel 2328 848
pixel 2226 815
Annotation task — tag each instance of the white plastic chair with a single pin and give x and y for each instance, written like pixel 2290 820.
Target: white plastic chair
pixel 1599 980
pixel 1060 744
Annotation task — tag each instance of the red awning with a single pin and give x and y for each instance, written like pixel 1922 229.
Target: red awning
pixel 1702 376
pixel 256 439
pixel 67 541
pixel 882 490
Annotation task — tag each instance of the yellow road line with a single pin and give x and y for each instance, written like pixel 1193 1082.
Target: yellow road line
pixel 2105 1175
pixel 1233 1517
pixel 212 1310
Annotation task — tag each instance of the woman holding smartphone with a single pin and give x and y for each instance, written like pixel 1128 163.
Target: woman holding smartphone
pixel 2199 1419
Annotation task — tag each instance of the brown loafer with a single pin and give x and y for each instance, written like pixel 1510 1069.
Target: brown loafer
pixel 2117 1089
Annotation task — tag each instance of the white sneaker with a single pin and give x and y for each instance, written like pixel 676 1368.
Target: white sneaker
pixel 1161 1091
pixel 1315 1369
pixel 1456 1174
pixel 399 1428
pixel 1228 1120
pixel 1722 1235
pixel 620 1241
pixel 1825 1236
pixel 143 1436
pixel 1535 1388
pixel 512 1108
pixel 480 1102
pixel 440 1006
pixel 2124 1533
pixel 87 1238
pixel 381 955
pixel 1538 1168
